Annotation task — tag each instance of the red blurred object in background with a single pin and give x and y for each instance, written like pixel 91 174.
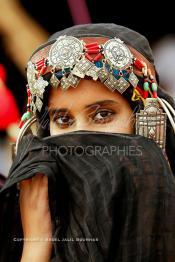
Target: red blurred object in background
pixel 9 113
pixel 3 75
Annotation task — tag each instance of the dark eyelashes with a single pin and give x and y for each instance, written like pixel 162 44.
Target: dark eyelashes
pixel 101 116
pixel 106 116
pixel 95 112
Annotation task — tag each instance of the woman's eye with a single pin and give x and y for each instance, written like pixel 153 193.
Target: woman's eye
pixel 63 121
pixel 103 116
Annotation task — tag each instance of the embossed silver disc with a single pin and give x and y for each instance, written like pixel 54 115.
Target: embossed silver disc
pixel 65 52
pixel 117 53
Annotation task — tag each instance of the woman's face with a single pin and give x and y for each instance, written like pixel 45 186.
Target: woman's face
pixel 90 106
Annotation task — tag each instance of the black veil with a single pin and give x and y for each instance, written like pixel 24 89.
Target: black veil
pixel 111 198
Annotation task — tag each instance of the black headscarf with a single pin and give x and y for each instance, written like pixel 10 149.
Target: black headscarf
pixel 109 30
pixel 2 180
pixel 135 40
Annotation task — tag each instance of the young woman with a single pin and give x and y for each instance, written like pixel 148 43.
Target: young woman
pixel 96 183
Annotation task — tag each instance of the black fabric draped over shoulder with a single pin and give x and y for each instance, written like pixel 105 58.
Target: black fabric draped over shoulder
pixel 111 198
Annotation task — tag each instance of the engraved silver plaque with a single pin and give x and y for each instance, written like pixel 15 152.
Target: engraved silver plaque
pixel 65 52
pixel 151 122
pixel 117 53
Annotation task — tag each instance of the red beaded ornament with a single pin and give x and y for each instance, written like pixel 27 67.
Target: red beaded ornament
pixel 41 66
pixel 93 48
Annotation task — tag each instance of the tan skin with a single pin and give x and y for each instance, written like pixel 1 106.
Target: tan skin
pixel 91 106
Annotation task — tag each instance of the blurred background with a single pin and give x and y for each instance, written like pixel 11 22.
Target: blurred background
pixel 26 24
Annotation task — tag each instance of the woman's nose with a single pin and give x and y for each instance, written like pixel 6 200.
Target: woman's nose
pixel 82 123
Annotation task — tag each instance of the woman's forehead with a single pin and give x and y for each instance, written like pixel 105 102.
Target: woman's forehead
pixel 88 92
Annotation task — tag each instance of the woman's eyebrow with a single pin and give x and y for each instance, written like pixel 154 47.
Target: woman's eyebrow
pixel 102 103
pixel 57 110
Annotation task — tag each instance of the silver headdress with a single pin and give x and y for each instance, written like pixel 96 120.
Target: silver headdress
pixel 65 62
